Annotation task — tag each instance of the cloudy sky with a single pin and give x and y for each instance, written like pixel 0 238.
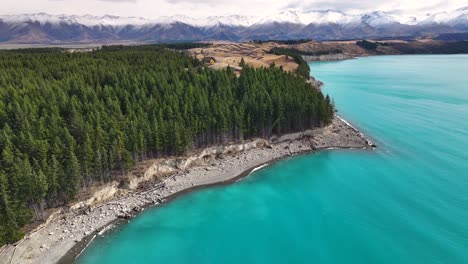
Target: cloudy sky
pixel 155 8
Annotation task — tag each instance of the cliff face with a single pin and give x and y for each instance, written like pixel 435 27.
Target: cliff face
pixel 162 168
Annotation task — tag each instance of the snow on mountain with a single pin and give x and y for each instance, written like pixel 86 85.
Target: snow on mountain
pixel 108 20
pixel 378 19
pixel 87 20
pixel 310 17
pixel 211 21
pixel 407 20
pixel 233 20
pixel 459 16
pixel 374 19
pixel 437 18
pixel 329 17
pixel 462 19
pixel 287 16
pixel 41 18
pixel 116 21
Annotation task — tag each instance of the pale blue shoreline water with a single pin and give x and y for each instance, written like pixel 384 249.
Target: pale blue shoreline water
pixel 406 202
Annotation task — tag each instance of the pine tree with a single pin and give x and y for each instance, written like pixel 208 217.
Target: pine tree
pixel 242 62
pixel 9 231
pixel 71 182
pixel 54 172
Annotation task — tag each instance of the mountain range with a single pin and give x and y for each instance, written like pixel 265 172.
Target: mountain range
pixel 42 28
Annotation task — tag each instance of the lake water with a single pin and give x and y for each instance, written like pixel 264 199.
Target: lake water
pixel 405 202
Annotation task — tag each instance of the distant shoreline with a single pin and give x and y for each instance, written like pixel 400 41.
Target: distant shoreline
pixel 65 237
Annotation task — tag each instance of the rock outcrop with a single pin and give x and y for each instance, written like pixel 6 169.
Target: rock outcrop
pixel 316 83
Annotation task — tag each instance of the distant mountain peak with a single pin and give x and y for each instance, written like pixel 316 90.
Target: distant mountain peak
pixel 453 18
pixel 379 19
pixel 285 24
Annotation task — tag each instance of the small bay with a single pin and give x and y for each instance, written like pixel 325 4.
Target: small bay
pixel 405 202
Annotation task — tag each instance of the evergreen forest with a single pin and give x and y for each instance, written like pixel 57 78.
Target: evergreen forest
pixel 72 120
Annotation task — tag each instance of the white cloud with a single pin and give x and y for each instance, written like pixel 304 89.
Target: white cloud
pixel 155 8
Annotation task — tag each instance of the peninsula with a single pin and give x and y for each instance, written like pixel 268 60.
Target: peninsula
pixel 143 124
pixel 96 135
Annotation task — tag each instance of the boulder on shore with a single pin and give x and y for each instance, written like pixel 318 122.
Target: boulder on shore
pixel 124 216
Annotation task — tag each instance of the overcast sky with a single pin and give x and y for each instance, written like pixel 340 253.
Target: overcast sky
pixel 155 8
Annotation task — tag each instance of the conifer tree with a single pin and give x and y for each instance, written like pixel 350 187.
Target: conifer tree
pixel 242 62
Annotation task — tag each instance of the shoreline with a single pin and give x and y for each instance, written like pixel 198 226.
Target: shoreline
pixel 64 238
pixel 308 59
pixel 81 246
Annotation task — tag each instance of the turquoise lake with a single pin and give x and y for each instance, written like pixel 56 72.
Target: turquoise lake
pixel 405 202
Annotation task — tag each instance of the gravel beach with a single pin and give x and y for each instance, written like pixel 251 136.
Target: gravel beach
pixel 67 232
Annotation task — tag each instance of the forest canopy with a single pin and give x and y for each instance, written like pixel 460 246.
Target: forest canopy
pixel 68 121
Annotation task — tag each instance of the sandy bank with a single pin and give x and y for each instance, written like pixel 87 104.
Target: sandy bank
pixel 64 233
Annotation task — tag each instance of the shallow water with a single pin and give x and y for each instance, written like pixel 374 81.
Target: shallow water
pixel 406 202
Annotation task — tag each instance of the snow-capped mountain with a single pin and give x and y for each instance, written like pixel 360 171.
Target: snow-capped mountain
pixel 330 17
pixel 379 19
pixel 86 20
pixel 213 21
pixel 455 18
pixel 311 17
pixel 287 16
pixel 287 24
pixel 116 21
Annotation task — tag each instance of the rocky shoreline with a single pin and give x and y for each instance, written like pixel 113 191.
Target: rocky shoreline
pixel 328 57
pixel 316 83
pixel 67 232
